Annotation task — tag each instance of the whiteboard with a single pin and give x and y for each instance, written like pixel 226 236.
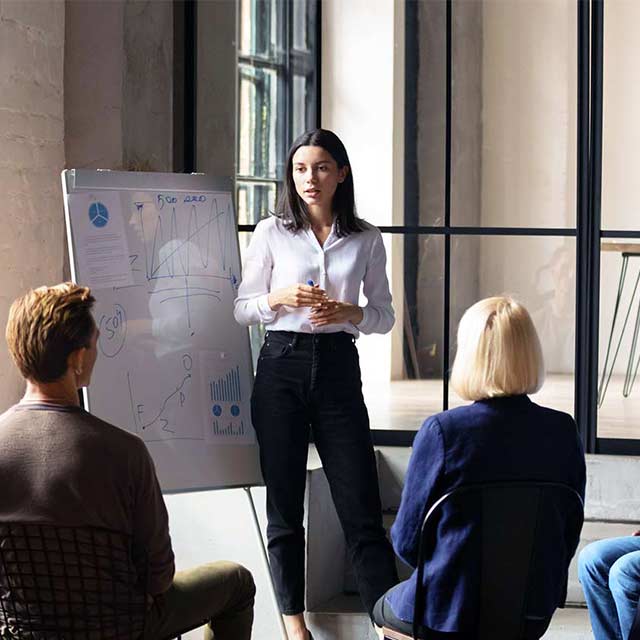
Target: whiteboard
pixel 160 253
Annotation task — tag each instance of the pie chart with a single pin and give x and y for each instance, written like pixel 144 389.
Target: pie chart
pixel 98 214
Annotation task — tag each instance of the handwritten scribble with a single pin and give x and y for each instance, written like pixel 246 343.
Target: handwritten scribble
pixel 113 331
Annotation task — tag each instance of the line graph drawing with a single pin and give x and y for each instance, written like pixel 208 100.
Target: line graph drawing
pixel 162 419
pixel 186 241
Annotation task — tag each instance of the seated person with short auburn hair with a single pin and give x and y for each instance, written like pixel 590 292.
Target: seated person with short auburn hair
pixel 503 436
pixel 62 466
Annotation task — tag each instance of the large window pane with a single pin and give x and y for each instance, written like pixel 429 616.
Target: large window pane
pixel 619 393
pixel 514 113
pixel 300 107
pixel 540 273
pixel 425 161
pixel 255 201
pixel 621 125
pixel 402 381
pixel 300 19
pixel 258 122
pixel 259 28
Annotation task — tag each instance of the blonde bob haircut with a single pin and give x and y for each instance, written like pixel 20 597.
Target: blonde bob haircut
pixel 499 352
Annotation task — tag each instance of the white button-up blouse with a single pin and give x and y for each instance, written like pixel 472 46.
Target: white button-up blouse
pixel 278 258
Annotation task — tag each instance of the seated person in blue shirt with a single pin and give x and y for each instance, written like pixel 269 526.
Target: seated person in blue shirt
pixel 502 436
pixel 609 571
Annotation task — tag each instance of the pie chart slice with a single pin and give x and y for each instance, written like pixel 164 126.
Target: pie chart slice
pixel 98 214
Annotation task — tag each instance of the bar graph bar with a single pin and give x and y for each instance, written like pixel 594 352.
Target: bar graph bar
pixel 227 388
pixel 229 429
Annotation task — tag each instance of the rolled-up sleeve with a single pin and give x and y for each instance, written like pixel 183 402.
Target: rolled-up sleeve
pixel 377 315
pixel 252 303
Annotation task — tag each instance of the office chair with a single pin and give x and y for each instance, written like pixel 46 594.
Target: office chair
pixel 514 520
pixel 60 582
pixel 70 583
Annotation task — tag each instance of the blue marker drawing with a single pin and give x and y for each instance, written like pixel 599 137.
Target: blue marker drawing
pixel 98 214
pixel 235 410
pixel 217 410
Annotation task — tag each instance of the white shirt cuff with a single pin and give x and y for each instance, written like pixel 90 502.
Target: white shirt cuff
pixel 363 325
pixel 267 314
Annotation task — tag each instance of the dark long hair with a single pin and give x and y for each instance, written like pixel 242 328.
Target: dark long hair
pixel 292 209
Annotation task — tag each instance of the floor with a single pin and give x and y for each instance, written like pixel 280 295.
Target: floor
pixel 341 623
pixel 404 404
pixel 569 624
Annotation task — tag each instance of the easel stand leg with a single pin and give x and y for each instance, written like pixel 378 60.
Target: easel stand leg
pixel 265 557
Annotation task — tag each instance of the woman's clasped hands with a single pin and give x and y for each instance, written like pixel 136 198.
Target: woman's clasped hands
pixel 324 311
pixel 297 295
pixel 335 312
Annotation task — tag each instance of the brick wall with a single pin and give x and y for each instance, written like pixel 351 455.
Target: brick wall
pixel 31 158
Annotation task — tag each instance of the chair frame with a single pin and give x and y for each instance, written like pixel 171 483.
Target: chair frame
pixel 419 604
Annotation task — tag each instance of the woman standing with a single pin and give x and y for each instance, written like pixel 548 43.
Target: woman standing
pixel 301 279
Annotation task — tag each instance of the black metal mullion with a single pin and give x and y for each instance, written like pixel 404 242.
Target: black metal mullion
pixel 411 181
pixel 317 73
pixel 393 437
pixel 190 85
pixel 461 231
pixel 479 231
pixel 447 215
pixel 618 233
pixel 285 82
pixel 595 193
pixel 583 309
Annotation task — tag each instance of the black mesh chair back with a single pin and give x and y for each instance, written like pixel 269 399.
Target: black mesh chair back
pixel 516 525
pixel 65 583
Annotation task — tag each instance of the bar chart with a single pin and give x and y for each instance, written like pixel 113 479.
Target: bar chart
pixel 227 388
pixel 229 429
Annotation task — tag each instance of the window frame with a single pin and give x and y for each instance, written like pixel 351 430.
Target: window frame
pixel 286 62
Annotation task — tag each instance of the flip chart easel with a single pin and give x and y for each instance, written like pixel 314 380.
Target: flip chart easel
pixel 160 253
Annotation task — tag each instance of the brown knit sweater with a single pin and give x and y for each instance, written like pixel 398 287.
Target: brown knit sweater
pixel 62 465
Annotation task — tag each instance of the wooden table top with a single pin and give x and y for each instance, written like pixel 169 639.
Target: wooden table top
pixel 621 247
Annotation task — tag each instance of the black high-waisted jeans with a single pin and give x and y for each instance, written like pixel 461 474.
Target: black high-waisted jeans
pixel 313 381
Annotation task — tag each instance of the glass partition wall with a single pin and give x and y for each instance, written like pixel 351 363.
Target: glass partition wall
pixel 503 135
pixel 618 413
pixel 490 184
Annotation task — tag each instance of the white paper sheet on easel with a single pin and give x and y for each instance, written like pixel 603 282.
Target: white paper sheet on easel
pixel 100 240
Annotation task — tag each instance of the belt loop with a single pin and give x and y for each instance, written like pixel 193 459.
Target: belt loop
pixel 294 341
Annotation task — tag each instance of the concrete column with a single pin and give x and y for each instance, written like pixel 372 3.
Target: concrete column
pixel 32 143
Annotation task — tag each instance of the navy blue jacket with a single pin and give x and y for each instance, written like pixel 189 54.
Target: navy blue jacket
pixel 493 440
